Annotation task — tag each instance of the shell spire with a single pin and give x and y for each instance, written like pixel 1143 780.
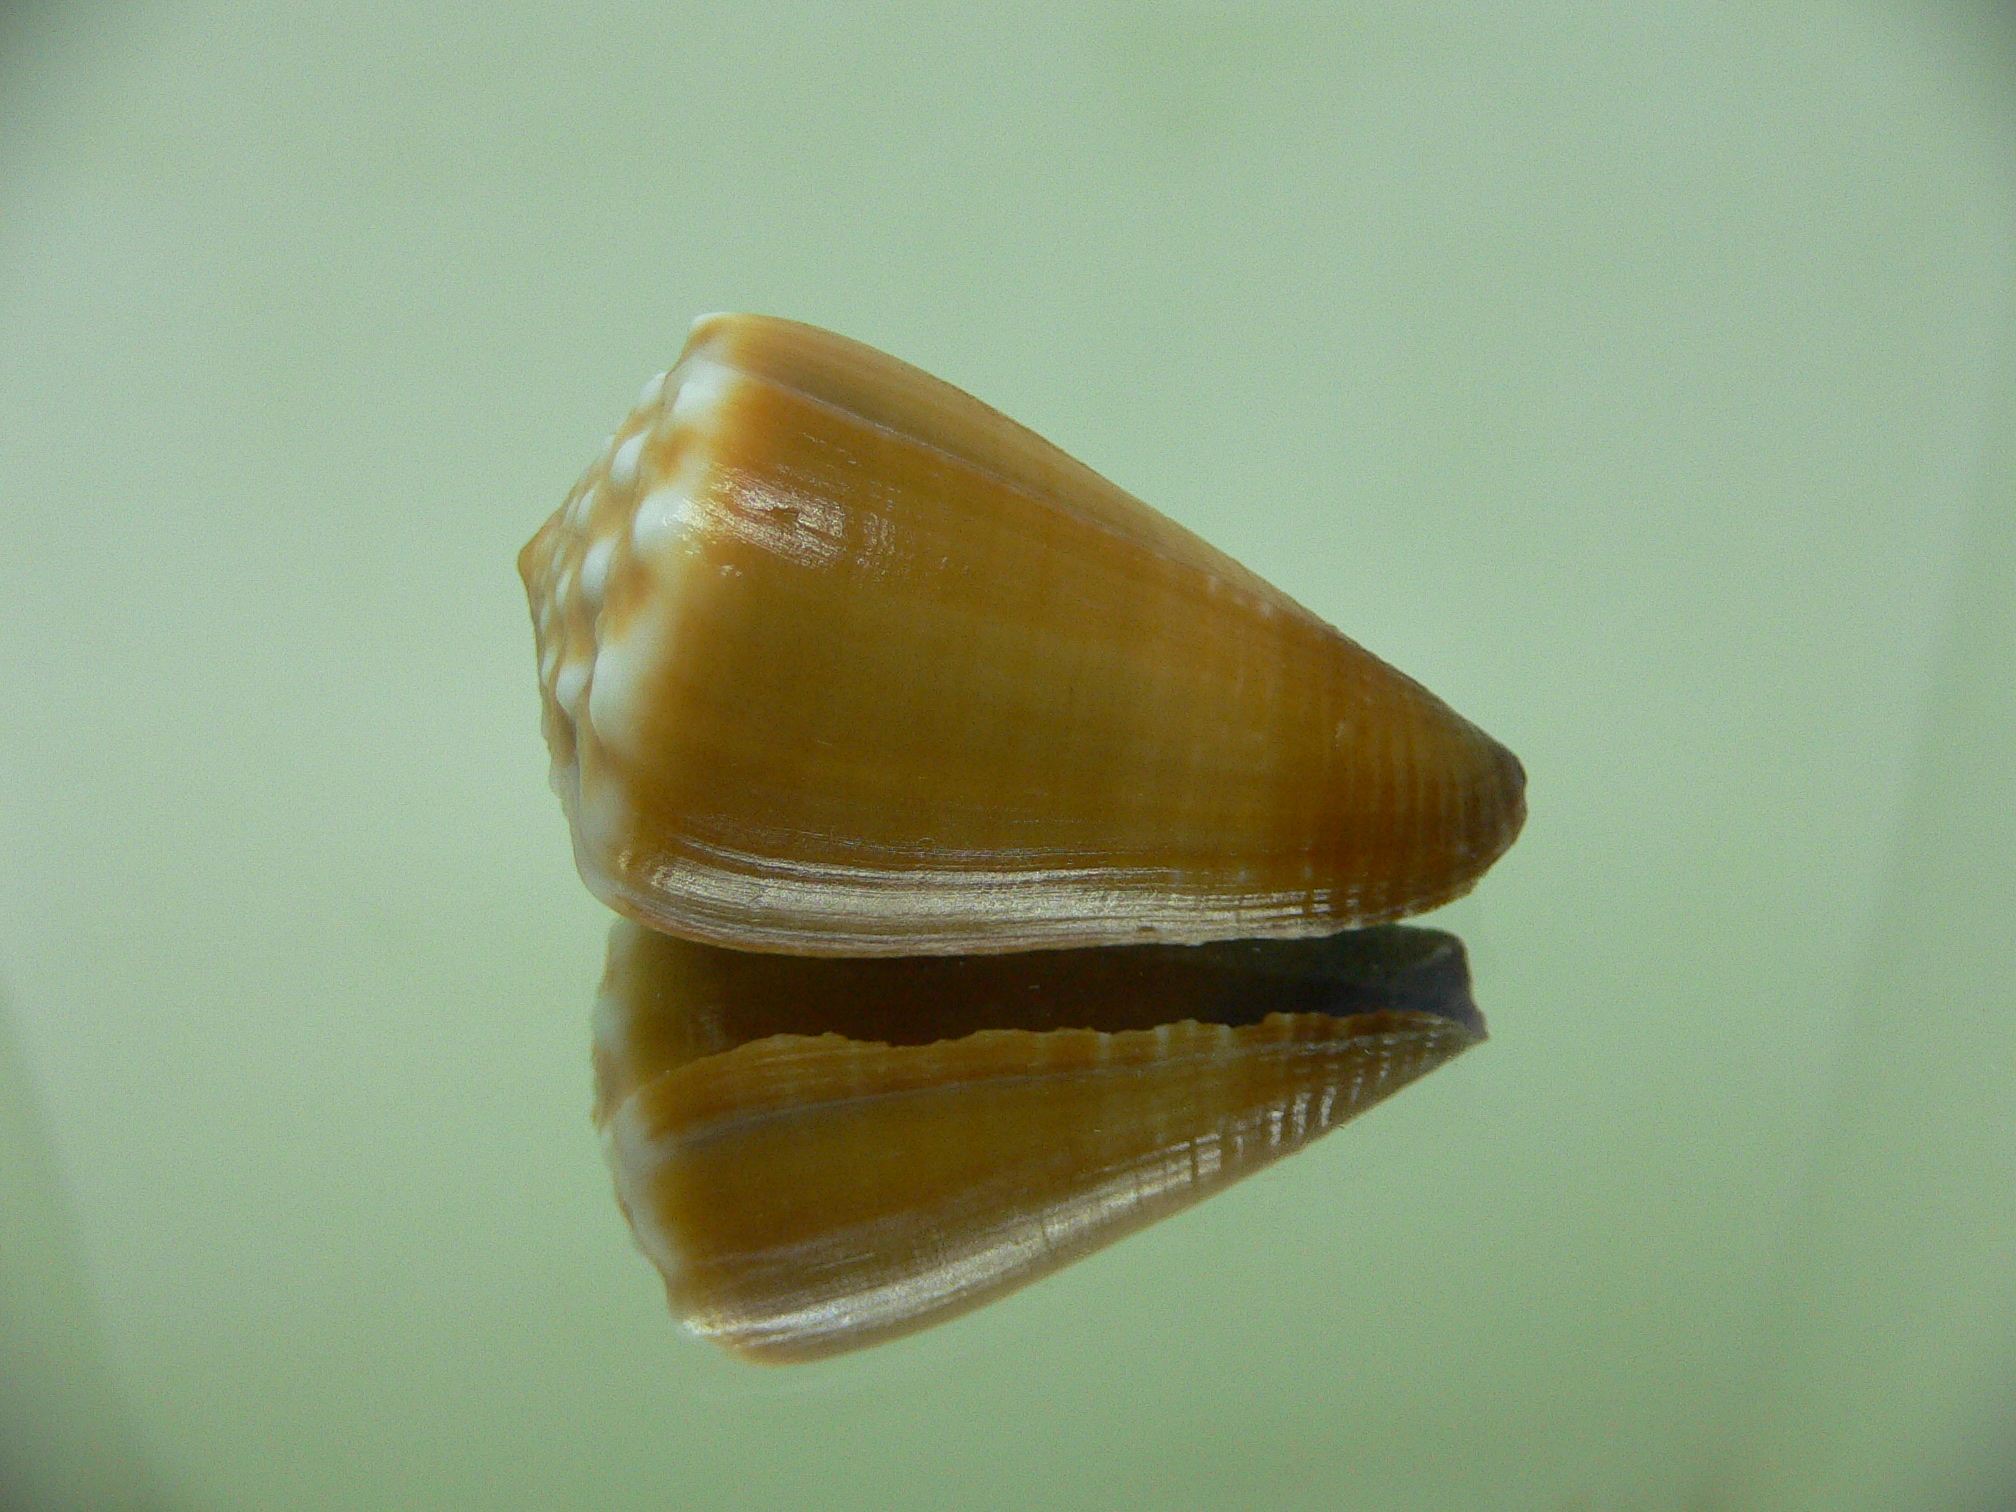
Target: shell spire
pixel 836 660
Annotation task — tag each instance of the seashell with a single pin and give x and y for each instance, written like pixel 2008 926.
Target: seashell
pixel 836 660
pixel 824 1154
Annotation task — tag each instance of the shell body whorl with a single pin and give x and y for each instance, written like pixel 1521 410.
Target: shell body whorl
pixel 836 660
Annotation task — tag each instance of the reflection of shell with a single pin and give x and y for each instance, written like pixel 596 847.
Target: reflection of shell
pixel 809 1193
pixel 837 660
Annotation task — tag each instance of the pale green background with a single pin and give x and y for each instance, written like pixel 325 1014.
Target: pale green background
pixel 1639 377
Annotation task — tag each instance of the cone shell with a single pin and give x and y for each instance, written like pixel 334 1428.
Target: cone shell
pixel 836 660
pixel 809 1193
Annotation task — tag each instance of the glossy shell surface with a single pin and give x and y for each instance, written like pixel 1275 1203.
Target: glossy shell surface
pixel 836 660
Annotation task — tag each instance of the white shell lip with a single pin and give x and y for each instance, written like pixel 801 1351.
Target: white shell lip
pixel 727 901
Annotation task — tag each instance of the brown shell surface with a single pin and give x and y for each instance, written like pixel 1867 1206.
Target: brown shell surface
pixel 837 660
pixel 804 1194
